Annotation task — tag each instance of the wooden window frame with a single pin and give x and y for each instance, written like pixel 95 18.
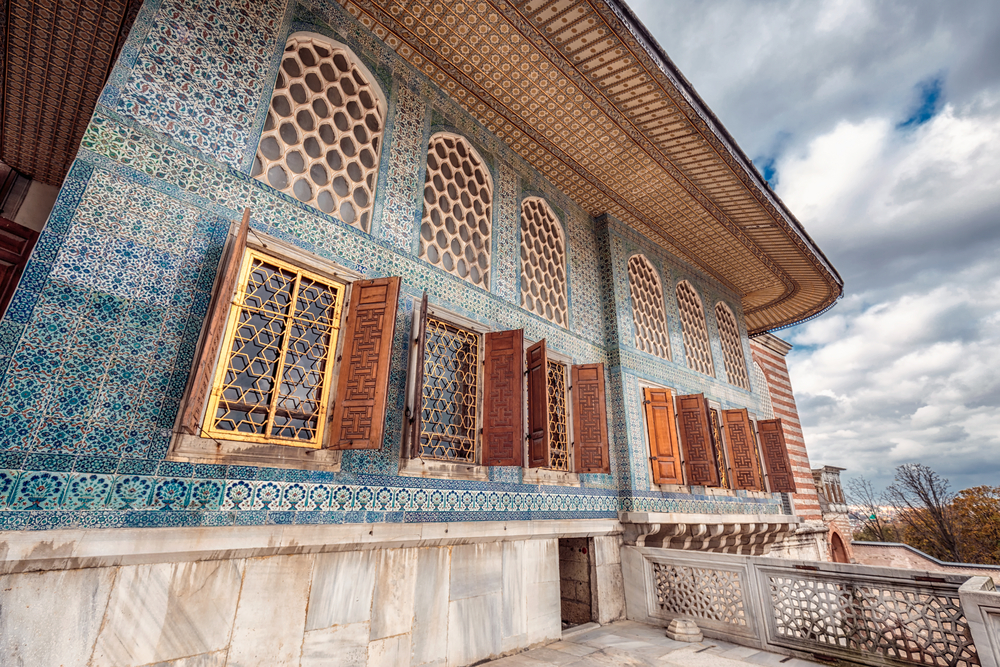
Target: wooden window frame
pixel 200 446
pixel 545 474
pixel 416 466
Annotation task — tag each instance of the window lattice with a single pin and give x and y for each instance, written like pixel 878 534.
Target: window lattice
pixel 767 408
pixel 647 307
pixel 732 350
pixel 275 382
pixel 322 134
pixel 558 433
pixel 448 418
pixel 458 195
pixel 696 345
pixel 543 261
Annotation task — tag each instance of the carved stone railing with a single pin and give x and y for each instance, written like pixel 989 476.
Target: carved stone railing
pixel 981 603
pixel 866 615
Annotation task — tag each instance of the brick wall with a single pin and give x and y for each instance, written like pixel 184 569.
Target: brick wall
pixel 769 351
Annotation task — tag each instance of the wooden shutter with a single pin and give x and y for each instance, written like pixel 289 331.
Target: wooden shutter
pixel 662 436
pixel 503 414
pixel 411 446
pixel 359 413
pixel 742 450
pixel 16 243
pixel 779 468
pixel 200 380
pixel 699 462
pixel 538 406
pixel 590 419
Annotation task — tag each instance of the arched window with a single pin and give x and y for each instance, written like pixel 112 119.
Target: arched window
pixel 732 350
pixel 458 198
pixel 323 131
pixel 543 261
pixel 696 345
pixel 647 307
pixel 765 392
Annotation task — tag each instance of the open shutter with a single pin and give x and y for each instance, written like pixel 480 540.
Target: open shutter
pixel 779 468
pixel 16 242
pixel 359 414
pixel 590 419
pixel 699 463
pixel 414 408
pixel 503 416
pixel 200 382
pixel 742 450
pixel 662 436
pixel 538 406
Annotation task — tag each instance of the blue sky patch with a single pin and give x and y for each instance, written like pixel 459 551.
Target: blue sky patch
pixel 929 98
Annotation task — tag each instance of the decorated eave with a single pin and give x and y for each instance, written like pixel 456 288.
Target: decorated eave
pixel 581 91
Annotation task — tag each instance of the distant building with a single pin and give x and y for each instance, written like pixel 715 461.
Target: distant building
pixel 373 329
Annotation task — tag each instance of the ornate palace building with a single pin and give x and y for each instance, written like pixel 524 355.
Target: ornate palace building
pixel 367 332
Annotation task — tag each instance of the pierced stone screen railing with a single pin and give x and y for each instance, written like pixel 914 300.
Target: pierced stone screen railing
pixel 859 614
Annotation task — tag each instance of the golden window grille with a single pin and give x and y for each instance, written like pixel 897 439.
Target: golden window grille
pixel 720 456
pixel 558 433
pixel 274 383
pixel 450 393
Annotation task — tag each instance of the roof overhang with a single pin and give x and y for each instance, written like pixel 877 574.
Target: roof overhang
pixel 583 93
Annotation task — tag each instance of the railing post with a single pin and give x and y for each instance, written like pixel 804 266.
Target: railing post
pixel 981 604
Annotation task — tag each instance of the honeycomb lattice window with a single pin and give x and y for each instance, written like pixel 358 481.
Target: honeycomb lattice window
pixel 450 394
pixel 647 307
pixel 458 196
pixel 732 350
pixel 543 261
pixel 323 131
pixel 767 408
pixel 696 345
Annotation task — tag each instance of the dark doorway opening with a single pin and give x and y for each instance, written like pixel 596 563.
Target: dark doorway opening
pixel 575 580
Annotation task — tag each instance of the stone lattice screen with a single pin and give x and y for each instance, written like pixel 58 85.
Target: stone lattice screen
pixel 323 131
pixel 543 261
pixel 732 350
pixel 458 196
pixel 648 311
pixel 696 346
pixel 767 408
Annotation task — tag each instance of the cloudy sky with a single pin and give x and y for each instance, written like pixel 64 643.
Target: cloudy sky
pixel 878 123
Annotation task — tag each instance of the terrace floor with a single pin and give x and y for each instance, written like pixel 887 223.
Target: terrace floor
pixel 631 644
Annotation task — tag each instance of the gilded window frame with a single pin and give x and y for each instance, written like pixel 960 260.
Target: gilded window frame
pixel 222 363
pixel 201 448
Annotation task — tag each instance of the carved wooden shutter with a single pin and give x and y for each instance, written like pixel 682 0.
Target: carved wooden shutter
pixel 590 419
pixel 742 450
pixel 200 379
pixel 359 414
pixel 779 468
pixel 414 410
pixel 662 436
pixel 503 416
pixel 538 406
pixel 699 462
pixel 16 243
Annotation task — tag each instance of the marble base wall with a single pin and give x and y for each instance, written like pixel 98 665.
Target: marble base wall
pixel 445 604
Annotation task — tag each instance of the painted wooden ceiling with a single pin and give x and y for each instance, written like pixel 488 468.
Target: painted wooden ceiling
pixel 56 56
pixel 583 93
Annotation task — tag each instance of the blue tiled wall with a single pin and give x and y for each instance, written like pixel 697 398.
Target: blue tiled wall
pixel 97 345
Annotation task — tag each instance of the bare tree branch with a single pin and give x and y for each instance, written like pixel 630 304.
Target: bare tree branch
pixel 923 500
pixel 861 493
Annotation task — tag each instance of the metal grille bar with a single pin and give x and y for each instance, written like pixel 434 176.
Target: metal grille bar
pixel 276 380
pixel 558 433
pixel 450 395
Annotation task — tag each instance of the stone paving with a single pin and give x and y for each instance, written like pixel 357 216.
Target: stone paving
pixel 631 644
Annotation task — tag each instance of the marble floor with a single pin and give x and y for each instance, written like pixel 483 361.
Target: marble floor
pixel 630 644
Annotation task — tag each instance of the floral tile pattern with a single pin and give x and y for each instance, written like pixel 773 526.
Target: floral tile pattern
pixel 98 343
